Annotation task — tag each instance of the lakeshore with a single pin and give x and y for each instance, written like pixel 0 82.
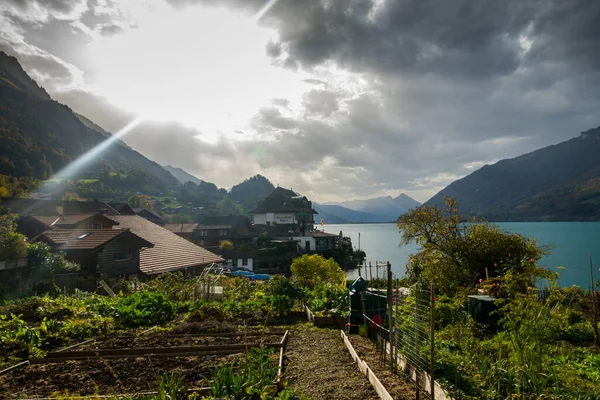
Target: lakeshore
pixel 574 243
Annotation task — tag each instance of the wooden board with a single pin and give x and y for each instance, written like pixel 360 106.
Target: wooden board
pixel 369 374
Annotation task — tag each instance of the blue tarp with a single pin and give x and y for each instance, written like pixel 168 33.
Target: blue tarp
pixel 251 275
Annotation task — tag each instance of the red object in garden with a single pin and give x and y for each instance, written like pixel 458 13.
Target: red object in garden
pixel 376 322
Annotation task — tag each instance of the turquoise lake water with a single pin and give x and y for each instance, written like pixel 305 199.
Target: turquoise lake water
pixel 574 243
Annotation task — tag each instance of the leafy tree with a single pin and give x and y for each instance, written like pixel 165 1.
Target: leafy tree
pixel 225 245
pixel 13 245
pixel 141 201
pixel 456 253
pixel 318 269
pixel 69 196
pixel 42 261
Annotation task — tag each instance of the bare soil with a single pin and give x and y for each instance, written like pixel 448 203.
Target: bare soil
pixel 129 375
pixel 318 365
pixel 108 376
pixel 162 340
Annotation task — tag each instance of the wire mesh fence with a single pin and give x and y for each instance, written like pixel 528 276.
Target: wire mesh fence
pixel 402 322
pixel 412 339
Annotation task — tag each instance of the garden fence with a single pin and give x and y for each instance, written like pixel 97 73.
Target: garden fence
pixel 401 320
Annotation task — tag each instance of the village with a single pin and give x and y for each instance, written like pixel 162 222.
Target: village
pixel 112 241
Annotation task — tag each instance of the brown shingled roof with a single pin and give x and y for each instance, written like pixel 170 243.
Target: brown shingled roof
pixel 25 206
pixel 187 228
pixel 54 220
pixel 170 252
pixel 82 239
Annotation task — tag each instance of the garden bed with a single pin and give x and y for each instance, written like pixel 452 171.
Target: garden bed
pixel 397 386
pixel 111 366
pixel 336 321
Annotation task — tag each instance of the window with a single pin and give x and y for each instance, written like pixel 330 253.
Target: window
pixel 244 262
pixel 307 245
pixel 97 225
pixel 321 244
pixel 122 256
pixel 223 232
pixel 234 263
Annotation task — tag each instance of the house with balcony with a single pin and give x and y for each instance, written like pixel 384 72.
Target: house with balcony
pixel 284 208
pixel 212 230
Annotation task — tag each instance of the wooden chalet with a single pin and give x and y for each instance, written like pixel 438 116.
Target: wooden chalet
pixel 105 252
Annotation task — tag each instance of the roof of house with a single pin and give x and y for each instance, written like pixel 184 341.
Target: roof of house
pixel 231 220
pixel 140 211
pixel 211 227
pixel 182 228
pixel 284 201
pixel 319 234
pixel 23 206
pixel 57 220
pixel 170 252
pixel 123 208
pixel 82 239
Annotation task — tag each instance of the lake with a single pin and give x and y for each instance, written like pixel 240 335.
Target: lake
pixel 574 243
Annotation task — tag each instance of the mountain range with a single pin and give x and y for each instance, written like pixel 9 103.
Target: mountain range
pixel 379 209
pixel 556 183
pixel 181 175
pixel 39 137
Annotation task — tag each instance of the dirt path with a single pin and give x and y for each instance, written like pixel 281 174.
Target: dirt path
pixel 319 366
pixel 397 386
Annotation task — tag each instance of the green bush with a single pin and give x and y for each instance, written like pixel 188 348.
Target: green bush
pixel 580 333
pixel 144 309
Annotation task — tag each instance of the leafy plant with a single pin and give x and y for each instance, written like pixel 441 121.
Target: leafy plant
pixel 145 309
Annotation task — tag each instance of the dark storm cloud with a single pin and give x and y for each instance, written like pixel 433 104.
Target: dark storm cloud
pixel 464 38
pixel 445 86
pixel 58 8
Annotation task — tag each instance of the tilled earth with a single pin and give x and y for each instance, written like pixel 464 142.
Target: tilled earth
pixel 318 365
pixel 129 375
pixel 125 375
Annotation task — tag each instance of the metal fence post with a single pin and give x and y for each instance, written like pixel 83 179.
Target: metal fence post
pixel 416 358
pixel 432 342
pixel 390 316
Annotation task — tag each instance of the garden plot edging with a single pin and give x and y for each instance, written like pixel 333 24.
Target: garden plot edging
pixel 330 320
pixel 369 374
pixel 424 378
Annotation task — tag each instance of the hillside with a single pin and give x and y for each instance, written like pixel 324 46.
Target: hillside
pixel 558 182
pixel 379 209
pixel 181 175
pixel 98 129
pixel 251 191
pixel 335 214
pixel 327 218
pixel 39 136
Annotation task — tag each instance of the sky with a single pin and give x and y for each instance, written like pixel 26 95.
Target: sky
pixel 337 100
